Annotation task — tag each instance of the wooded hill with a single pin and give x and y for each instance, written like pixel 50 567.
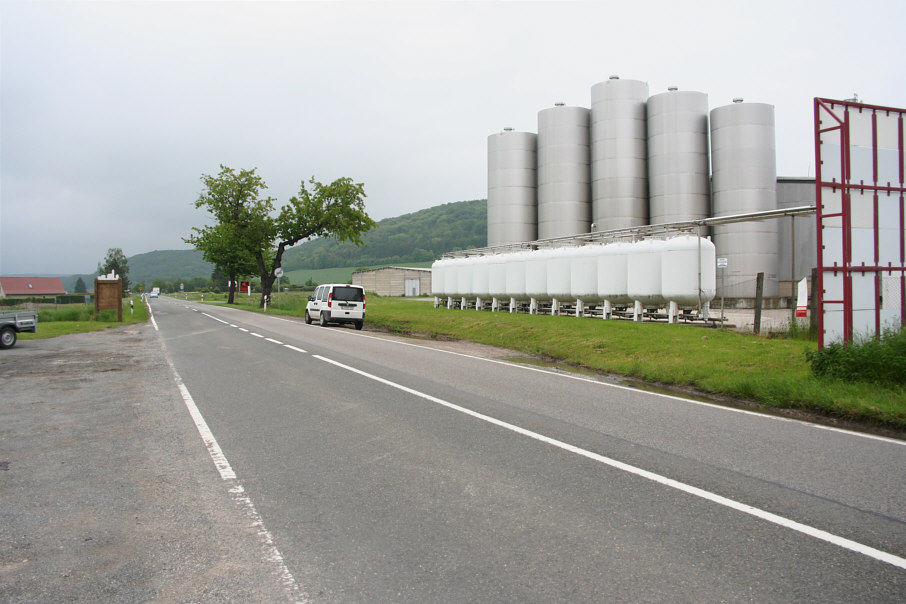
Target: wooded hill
pixel 421 236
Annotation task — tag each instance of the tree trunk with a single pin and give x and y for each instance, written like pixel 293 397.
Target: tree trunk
pixel 232 288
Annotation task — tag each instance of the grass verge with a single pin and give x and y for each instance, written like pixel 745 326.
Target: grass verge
pixel 80 318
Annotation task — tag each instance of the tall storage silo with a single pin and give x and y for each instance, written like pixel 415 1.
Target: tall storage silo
pixel 512 187
pixel 619 159
pixel 564 189
pixel 744 167
pixel 678 168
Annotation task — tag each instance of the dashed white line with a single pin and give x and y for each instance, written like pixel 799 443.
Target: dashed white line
pixel 257 335
pixel 669 482
pixel 274 341
pixel 291 347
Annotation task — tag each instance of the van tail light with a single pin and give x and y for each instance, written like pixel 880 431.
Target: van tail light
pixel 329 299
pixel 363 300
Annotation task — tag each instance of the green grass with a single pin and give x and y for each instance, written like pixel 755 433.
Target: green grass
pixel 80 318
pixel 771 371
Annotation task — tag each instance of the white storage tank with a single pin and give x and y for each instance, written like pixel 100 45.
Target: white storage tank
pixel 564 189
pixel 559 277
pixel 619 157
pixel 643 272
pixel 515 275
pixel 481 269
pixel 536 275
pixel 438 277
pixel 688 264
pixel 464 277
pixel 613 284
pixel 678 168
pixel 583 273
pixel 497 275
pixel 743 160
pixel 512 187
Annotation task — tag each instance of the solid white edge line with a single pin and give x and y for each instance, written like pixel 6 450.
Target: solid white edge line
pixel 239 496
pixel 766 416
pixel 580 378
pixel 669 482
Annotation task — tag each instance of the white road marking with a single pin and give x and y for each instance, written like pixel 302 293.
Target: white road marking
pixel 257 335
pixel 669 482
pixel 580 378
pixel 239 495
pixel 274 341
pixel 243 329
pixel 291 347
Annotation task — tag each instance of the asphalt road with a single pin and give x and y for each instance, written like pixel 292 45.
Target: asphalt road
pixel 392 472
pixel 341 466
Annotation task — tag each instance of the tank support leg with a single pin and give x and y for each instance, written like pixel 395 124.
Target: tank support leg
pixel 672 311
pixel 637 313
pixel 449 302
pixel 555 307
pixel 608 310
pixel 580 308
pixel 533 306
pixel 512 305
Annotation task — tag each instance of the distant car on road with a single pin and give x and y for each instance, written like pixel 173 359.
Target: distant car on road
pixel 153 295
pixel 336 303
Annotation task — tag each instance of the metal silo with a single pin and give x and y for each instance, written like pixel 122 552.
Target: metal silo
pixel 744 170
pixel 564 189
pixel 678 169
pixel 512 187
pixel 619 159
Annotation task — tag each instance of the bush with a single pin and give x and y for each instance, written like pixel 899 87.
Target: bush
pixel 879 361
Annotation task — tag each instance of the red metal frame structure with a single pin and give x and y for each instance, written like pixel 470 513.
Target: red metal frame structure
pixel 861 219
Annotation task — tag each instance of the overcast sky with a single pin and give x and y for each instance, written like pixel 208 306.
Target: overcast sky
pixel 110 112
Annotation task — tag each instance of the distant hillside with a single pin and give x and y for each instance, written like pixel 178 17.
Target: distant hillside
pixel 166 265
pixel 420 236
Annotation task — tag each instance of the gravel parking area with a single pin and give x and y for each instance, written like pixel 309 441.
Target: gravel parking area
pixel 106 490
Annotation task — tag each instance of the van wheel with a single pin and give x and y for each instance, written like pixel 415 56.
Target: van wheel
pixel 307 318
pixel 358 324
pixel 7 337
pixel 324 318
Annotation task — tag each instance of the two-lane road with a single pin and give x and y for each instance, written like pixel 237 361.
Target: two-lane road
pixel 387 471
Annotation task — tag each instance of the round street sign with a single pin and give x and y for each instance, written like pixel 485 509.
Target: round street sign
pixel 278 272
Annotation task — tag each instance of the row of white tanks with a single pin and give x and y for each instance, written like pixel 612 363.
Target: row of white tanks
pixel 653 272
pixel 633 160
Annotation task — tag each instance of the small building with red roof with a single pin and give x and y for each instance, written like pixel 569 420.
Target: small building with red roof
pixel 27 287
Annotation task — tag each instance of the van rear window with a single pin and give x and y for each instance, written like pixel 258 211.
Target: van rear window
pixel 347 294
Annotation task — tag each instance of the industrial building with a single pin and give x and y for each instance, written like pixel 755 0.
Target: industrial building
pixel 394 280
pixel 636 166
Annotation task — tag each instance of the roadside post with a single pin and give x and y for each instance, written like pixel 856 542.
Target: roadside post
pixel 722 265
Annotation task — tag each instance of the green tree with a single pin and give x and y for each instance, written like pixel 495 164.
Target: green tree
pixel 234 200
pixel 245 225
pixel 80 287
pixel 115 261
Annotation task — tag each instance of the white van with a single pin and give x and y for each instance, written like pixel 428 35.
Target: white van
pixel 336 303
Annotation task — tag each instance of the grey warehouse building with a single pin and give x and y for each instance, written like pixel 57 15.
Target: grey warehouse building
pixel 394 280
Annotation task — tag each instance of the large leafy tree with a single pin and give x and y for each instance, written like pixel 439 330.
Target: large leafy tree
pixel 234 200
pixel 116 261
pixel 333 210
pixel 246 227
